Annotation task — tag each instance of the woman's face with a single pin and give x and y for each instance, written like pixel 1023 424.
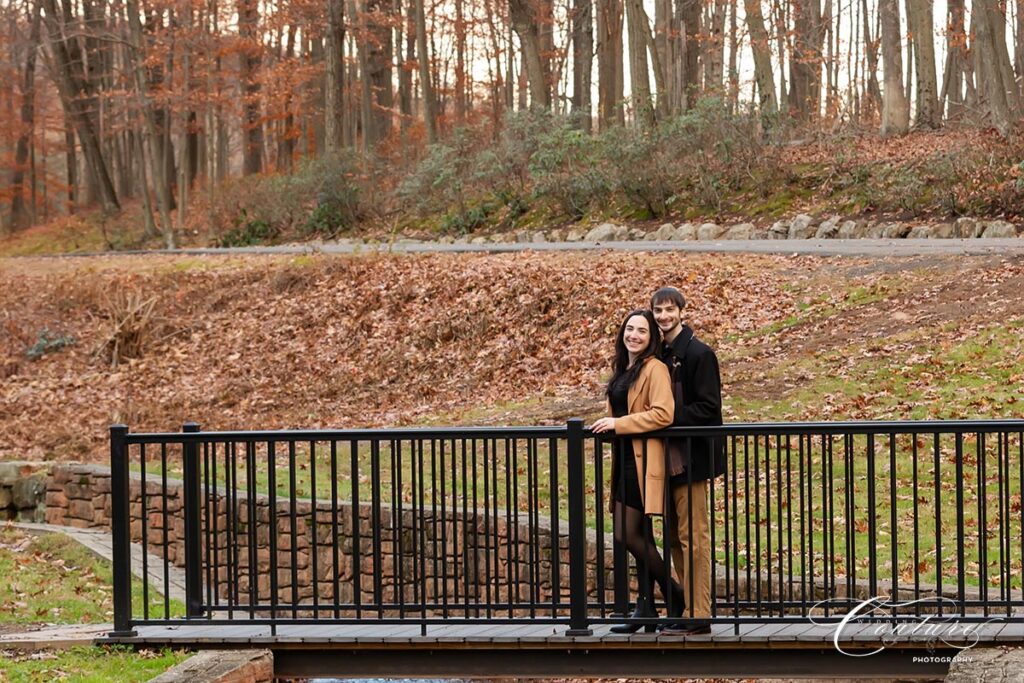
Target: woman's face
pixel 637 334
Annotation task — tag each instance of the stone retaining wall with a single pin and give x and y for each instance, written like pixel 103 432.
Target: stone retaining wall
pixel 21 491
pixel 803 226
pixel 459 562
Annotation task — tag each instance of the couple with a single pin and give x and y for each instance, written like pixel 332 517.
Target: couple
pixel 664 376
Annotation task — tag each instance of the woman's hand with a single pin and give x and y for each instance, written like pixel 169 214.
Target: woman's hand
pixel 605 424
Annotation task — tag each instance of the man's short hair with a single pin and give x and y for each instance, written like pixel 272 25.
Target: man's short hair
pixel 668 295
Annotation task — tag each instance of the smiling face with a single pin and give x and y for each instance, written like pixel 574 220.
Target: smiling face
pixel 636 334
pixel 668 315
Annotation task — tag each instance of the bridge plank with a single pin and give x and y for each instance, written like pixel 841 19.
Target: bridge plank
pixel 1010 632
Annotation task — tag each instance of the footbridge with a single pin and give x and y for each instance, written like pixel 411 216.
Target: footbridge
pixel 855 548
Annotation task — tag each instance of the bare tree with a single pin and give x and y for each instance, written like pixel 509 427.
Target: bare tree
pixel 957 74
pixel 80 101
pixel 251 58
pixel 895 106
pixel 582 59
pixel 929 113
pixel 689 13
pixel 639 28
pixel 764 74
pixel 426 88
pixel 991 86
pixel 805 64
pixel 525 21
pixel 609 62
pixel 21 216
pixel 334 98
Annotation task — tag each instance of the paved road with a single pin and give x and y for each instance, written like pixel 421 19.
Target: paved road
pixel 854 247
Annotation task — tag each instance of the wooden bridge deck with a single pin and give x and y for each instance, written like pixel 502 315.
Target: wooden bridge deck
pixel 543 650
pixel 537 636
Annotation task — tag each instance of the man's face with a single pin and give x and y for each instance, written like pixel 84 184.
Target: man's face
pixel 668 315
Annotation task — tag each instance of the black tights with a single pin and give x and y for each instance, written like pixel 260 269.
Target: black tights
pixel 634 529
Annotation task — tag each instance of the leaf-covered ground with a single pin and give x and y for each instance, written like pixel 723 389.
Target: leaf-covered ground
pixel 375 340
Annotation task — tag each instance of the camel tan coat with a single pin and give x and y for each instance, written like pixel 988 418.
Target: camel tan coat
pixel 651 407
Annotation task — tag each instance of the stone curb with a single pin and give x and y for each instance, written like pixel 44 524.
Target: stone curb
pixel 222 666
pixel 55 637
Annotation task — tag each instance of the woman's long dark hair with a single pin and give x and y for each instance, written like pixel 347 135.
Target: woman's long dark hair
pixel 620 366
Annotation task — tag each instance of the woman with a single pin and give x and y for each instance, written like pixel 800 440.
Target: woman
pixel 640 400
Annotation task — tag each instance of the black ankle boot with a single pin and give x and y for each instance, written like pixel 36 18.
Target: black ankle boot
pixel 644 610
pixel 678 603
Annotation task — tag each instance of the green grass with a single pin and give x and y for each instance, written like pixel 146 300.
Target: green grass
pixel 846 488
pixel 903 377
pixel 916 374
pixel 813 306
pixel 93 664
pixel 53 579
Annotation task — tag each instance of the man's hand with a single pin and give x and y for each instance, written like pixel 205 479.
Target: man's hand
pixel 605 424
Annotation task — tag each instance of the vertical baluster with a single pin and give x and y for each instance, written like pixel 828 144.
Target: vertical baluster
pixel 121 531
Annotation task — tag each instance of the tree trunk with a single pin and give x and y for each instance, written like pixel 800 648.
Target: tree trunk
pixel 251 59
pixel 636 20
pixel 713 45
pixel 957 61
pixel 762 49
pixel 732 75
pixel 334 98
pixel 609 63
pixel 80 102
pixel 525 21
pixel 70 162
pixel 895 107
pixel 991 88
pixel 408 29
pixel 805 64
pixel 874 91
pixel 460 65
pixel 136 58
pixel 997 20
pixel 379 54
pixel 929 113
pixel 289 133
pixel 582 60
pixel 427 90
pixel 689 11
pixel 20 215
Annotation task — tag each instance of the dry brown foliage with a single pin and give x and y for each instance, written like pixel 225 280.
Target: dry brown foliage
pixel 129 319
pixel 372 341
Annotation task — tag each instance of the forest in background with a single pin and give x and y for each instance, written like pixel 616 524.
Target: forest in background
pixel 265 119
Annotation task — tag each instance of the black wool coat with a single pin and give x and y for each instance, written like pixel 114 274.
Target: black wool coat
pixel 697 388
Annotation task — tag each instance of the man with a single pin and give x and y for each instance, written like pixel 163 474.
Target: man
pixel 691 462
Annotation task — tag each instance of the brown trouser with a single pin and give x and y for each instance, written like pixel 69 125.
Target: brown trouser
pixel 693 536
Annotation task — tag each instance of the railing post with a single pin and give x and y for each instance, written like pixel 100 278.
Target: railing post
pixel 120 522
pixel 578 624
pixel 193 530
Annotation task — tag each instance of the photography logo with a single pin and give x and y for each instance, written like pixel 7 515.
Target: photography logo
pixel 936 622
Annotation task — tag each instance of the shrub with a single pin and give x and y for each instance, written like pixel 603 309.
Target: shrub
pixel 322 196
pixel 247 231
pixel 566 167
pixel 131 326
pixel 440 181
pixel 338 195
pixel 48 342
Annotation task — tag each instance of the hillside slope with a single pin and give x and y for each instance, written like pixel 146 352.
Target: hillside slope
pixel 284 342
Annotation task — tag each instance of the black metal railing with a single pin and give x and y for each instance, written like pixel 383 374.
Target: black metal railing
pixel 509 525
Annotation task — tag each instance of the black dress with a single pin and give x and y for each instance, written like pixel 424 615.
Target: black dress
pixel 625 488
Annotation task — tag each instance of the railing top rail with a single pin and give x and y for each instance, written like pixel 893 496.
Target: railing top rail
pixel 732 429
pixel 404 433
pixel 848 427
